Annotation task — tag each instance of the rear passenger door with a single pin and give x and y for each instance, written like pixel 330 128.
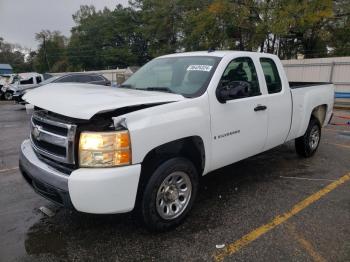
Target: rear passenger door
pixel 278 100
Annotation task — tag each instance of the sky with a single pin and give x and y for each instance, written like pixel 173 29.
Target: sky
pixel 21 19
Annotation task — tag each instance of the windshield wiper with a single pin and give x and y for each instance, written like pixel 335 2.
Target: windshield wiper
pixel 159 88
pixel 150 88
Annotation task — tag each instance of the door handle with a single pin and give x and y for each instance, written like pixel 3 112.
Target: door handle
pixel 260 108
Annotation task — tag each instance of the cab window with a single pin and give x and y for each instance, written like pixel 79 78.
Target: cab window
pixel 272 77
pixel 96 78
pixel 241 74
pixel 83 78
pixel 27 81
pixel 67 79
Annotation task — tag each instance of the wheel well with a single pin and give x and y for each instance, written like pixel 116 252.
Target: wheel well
pixel 191 148
pixel 319 113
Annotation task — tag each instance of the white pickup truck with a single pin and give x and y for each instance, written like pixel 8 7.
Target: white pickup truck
pixel 26 81
pixel 144 145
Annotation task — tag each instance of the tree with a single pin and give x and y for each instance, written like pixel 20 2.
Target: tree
pixel 161 24
pixel 148 28
pixel 290 27
pixel 14 55
pixel 339 29
pixel 51 55
pixel 104 39
pixel 222 24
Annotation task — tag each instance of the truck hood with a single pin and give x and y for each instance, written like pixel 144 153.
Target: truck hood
pixel 83 101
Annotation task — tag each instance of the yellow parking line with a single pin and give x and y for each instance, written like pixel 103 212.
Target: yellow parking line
pixel 305 244
pixel 8 169
pixel 255 234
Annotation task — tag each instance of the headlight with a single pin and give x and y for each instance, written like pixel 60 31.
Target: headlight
pixel 104 149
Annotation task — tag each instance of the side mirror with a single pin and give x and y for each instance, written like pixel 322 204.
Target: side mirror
pixel 232 90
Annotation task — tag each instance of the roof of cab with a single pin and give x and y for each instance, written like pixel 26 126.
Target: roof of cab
pixel 220 53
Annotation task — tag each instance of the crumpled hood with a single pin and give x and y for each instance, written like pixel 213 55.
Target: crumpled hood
pixel 83 101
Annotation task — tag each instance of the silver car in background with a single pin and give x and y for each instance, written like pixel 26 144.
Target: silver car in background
pixel 96 79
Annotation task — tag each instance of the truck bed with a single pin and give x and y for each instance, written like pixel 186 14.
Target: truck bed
pixel 294 85
pixel 307 96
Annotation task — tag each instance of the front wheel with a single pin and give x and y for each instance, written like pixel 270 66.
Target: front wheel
pixel 169 194
pixel 8 95
pixel 307 144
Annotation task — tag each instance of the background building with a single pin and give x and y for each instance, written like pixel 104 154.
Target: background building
pixel 5 69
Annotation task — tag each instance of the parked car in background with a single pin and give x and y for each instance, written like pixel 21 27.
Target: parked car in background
pixel 5 81
pixel 19 90
pixel 24 81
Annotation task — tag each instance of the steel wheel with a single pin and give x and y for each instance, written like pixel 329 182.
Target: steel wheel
pixel 314 138
pixel 173 195
pixel 307 145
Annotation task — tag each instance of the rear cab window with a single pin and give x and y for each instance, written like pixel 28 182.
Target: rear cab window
pixel 272 77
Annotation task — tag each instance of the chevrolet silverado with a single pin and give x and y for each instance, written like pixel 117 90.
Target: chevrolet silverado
pixel 144 145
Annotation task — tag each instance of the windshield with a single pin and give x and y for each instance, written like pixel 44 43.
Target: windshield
pixel 187 76
pixel 14 79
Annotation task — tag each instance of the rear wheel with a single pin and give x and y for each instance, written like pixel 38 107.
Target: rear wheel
pixel 169 194
pixel 307 144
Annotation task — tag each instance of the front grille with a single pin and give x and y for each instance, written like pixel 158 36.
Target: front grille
pixel 57 150
pixel 53 137
pixel 54 129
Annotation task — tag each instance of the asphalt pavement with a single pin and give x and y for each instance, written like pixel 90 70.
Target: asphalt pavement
pixel 272 207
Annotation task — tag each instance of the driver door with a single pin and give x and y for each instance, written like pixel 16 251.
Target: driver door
pixel 239 125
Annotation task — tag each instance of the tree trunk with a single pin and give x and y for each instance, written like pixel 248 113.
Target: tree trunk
pixel 273 44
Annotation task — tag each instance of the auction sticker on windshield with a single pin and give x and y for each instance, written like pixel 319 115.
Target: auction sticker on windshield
pixel 205 68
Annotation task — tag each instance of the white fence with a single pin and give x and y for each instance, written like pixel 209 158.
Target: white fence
pixel 333 69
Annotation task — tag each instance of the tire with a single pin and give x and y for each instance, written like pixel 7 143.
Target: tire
pixel 169 195
pixel 307 145
pixel 8 96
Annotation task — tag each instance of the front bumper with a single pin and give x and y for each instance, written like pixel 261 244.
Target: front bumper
pixel 90 190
